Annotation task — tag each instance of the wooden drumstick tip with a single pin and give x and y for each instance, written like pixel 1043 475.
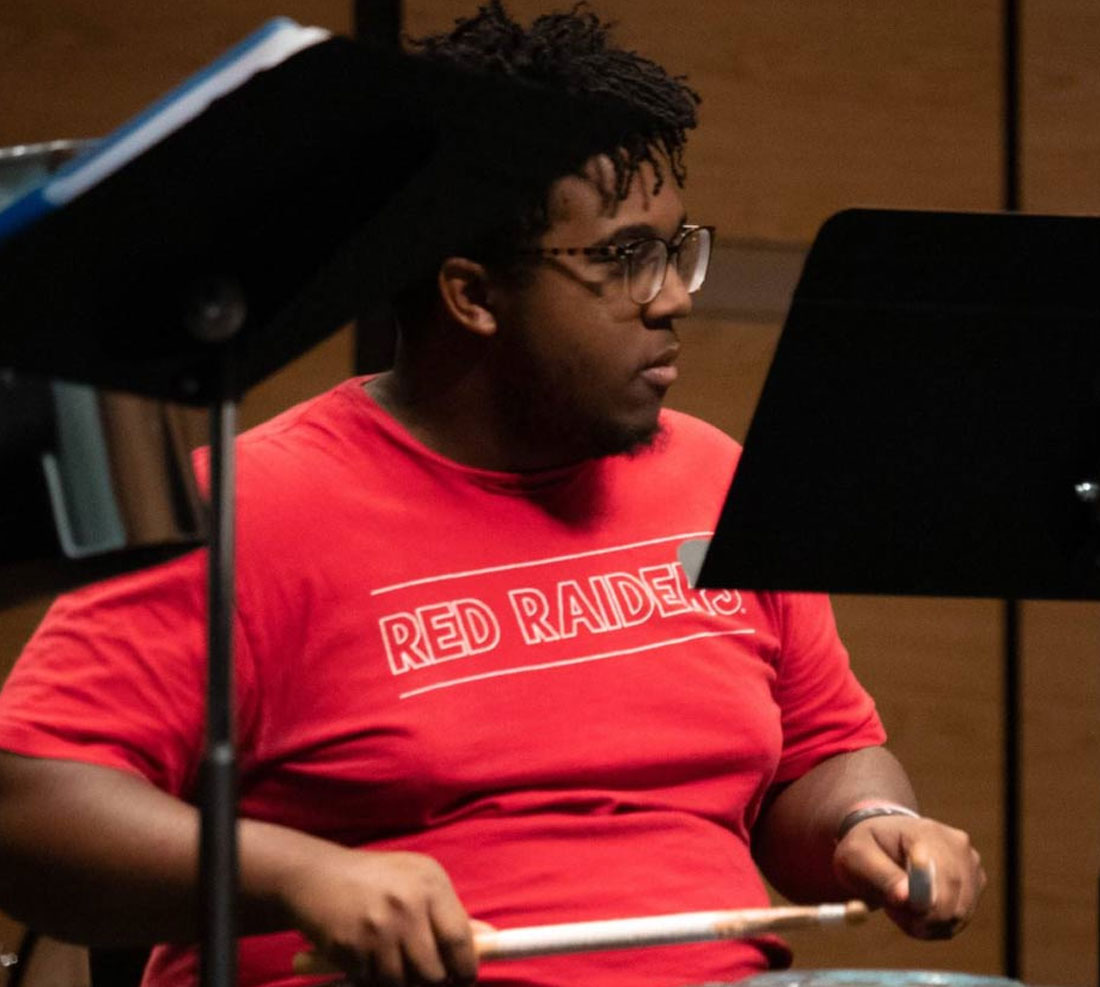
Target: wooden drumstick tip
pixel 855 912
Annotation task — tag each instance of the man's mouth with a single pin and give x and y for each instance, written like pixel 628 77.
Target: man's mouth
pixel 660 375
pixel 662 372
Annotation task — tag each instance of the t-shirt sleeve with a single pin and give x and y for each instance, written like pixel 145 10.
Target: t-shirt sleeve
pixel 115 675
pixel 824 709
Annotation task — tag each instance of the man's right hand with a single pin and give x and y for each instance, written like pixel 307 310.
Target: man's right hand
pixel 385 919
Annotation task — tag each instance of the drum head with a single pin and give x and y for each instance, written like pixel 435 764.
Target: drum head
pixel 875 978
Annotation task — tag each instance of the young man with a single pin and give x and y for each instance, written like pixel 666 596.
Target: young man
pixel 472 680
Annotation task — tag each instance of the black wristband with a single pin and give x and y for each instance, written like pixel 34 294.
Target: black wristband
pixel 869 812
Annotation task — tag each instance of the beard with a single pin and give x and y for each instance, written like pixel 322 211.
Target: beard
pixel 544 407
pixel 609 438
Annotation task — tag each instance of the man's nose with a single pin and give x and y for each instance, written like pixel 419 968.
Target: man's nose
pixel 672 301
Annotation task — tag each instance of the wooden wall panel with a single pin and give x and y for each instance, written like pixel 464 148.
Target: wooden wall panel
pixel 1060 96
pixel 1061 790
pixel 77 68
pixel 1060 173
pixel 322 367
pixel 812 107
pixel 722 368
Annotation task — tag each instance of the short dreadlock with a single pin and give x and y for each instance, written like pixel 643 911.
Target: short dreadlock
pixel 570 52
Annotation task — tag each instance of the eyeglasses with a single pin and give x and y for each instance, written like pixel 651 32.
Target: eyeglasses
pixel 647 260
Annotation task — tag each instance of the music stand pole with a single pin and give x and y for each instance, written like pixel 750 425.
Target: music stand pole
pixel 218 314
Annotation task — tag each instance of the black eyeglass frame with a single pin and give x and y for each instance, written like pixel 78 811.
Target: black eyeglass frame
pixel 626 251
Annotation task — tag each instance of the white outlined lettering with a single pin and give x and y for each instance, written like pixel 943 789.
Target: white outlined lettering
pixel 531 609
pixel 479 624
pixel 575 608
pixel 630 597
pixel 664 584
pixel 401 637
pixel 437 633
pixel 727 602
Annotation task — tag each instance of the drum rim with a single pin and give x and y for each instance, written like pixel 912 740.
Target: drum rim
pixel 869 976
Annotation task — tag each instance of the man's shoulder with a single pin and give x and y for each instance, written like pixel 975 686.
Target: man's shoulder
pixel 313 429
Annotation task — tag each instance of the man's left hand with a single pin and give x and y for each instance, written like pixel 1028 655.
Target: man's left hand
pixel 875 858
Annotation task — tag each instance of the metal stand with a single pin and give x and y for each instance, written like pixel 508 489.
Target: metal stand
pixel 218 841
pixel 217 316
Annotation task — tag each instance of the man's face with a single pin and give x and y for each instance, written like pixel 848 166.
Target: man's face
pixel 583 368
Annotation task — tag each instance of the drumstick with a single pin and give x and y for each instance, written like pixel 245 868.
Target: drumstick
pixel 659 930
pixel 652 930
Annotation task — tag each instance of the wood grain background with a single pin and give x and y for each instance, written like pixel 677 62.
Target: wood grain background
pixel 810 106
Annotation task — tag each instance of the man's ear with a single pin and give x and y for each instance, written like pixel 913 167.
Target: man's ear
pixel 464 291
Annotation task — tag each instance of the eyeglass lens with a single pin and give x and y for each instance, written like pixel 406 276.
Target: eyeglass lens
pixel 649 262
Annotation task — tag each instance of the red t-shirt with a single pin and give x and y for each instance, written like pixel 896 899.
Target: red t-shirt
pixel 506 672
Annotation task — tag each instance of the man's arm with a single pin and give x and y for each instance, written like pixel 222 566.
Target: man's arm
pixel 95 855
pixel 795 844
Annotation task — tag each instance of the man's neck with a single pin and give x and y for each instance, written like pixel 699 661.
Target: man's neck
pixel 456 418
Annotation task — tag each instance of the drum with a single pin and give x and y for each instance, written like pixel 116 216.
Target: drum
pixel 875 978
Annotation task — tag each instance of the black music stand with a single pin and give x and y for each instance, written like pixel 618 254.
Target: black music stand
pixel 335 178
pixel 96 483
pixel 930 424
